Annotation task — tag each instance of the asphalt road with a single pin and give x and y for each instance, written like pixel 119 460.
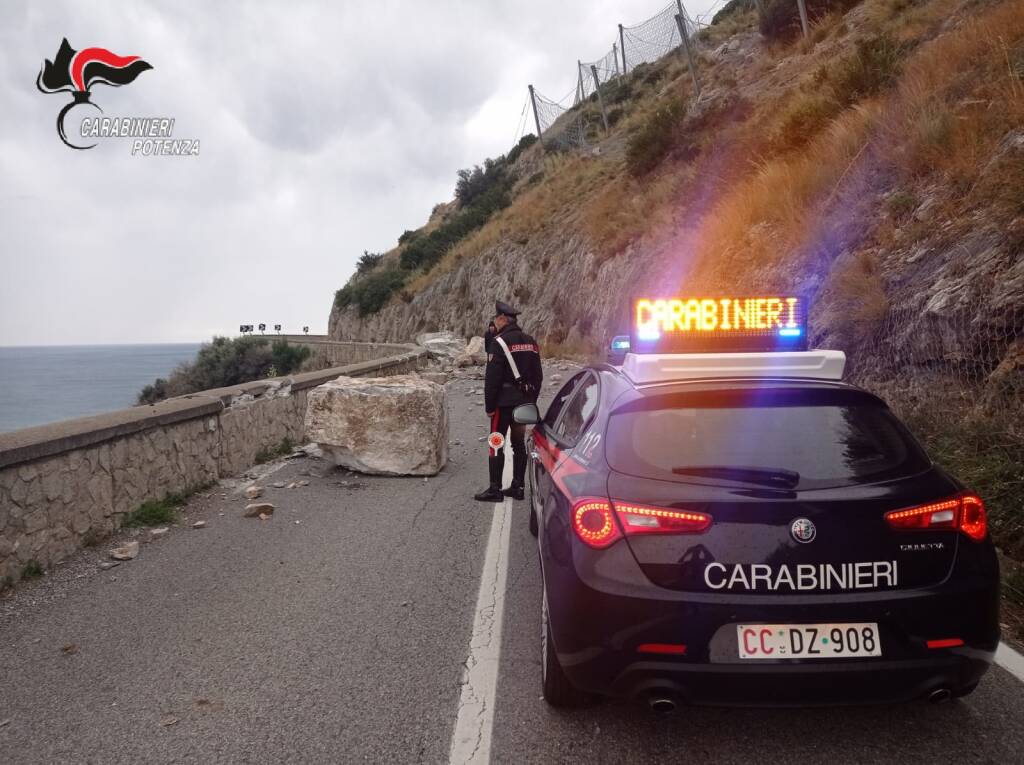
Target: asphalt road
pixel 338 631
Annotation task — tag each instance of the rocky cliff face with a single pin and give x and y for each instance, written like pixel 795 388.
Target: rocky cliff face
pixel 913 259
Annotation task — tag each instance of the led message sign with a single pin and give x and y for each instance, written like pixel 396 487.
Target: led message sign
pixel 677 324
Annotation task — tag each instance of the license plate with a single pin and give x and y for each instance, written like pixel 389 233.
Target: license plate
pixel 808 641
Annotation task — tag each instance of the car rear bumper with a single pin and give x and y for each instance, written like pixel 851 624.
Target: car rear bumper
pixel 793 685
pixel 599 620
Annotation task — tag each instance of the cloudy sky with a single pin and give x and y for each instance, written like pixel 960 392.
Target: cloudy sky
pixel 326 129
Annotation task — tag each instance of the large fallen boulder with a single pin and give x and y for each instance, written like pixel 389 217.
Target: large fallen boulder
pixel 442 345
pixel 385 425
pixel 474 355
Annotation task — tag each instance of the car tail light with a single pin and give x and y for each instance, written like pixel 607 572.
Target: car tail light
pixel 644 519
pixel 593 522
pixel 965 512
pixel 973 521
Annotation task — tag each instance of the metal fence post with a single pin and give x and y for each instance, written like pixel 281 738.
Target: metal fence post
pixel 536 119
pixel 689 52
pixel 579 81
pixel 600 99
pixel 615 58
pixel 622 47
pixel 802 5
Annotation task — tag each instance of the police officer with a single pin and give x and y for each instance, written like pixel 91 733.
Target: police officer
pixel 513 377
pixel 489 338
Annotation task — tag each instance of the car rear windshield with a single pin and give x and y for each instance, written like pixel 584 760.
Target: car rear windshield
pixel 780 438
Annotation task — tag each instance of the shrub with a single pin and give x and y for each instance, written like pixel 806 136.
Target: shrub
pixel 152 513
pixel 222 362
pixel 32 570
pixel 730 8
pixel 525 143
pixel 371 292
pixel 872 68
pixel 480 192
pixel 472 185
pixel 425 251
pixel 803 118
pixel 286 446
pixel 153 393
pixel 369 260
pixel 780 19
pixel 288 358
pixel 161 511
pixel 900 204
pixel 618 90
pixel 226 361
pixel 653 141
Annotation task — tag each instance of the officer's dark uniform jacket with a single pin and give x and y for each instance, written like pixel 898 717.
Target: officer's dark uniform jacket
pixel 500 389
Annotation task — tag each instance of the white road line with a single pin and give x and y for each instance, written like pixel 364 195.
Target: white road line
pixel 1010 660
pixel 471 739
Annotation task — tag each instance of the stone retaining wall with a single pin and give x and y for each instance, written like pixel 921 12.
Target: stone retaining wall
pixel 338 352
pixel 62 485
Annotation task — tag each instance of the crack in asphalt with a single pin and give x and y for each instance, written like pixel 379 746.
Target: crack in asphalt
pixel 478 685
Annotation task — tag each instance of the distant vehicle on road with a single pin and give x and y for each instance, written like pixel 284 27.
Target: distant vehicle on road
pixel 744 527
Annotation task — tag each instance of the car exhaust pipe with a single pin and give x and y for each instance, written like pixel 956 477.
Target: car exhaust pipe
pixel 940 695
pixel 661 704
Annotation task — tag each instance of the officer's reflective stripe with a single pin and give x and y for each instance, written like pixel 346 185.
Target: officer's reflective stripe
pixel 508 355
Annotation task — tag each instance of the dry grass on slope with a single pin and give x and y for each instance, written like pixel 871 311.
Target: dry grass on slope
pixel 957 97
pixel 550 204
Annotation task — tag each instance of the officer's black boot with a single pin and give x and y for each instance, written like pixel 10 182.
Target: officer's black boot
pixel 495 467
pixel 515 490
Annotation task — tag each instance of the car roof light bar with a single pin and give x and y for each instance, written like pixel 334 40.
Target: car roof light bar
pixel 671 367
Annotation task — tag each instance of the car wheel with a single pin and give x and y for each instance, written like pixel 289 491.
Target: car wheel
pixel 558 691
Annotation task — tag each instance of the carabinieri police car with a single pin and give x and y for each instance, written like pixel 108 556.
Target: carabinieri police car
pixel 722 520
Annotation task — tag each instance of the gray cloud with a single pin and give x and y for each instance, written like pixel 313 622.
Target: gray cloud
pixel 326 129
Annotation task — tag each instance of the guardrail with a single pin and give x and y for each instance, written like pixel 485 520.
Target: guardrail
pixel 69 483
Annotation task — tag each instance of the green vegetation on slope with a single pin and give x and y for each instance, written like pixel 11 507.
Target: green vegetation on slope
pixel 228 361
pixel 480 192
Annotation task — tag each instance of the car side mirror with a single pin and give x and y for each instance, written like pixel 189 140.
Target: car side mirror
pixel 526 414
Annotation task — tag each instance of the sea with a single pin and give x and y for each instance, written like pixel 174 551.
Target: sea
pixel 44 384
